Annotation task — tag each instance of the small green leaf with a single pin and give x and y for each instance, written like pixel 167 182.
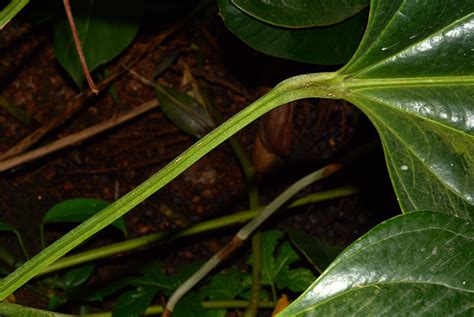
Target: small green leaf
pixel 79 210
pixel 55 301
pixel 100 292
pixel 420 263
pixel 301 13
pixel 189 306
pixel 328 45
pixel 105 28
pixel 225 286
pixel 184 111
pixel 5 227
pixel 276 264
pixel 318 252
pixel 15 111
pixel 134 302
pixel 78 276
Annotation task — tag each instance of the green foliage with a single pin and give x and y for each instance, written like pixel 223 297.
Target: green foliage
pixel 417 263
pixel 413 76
pixel 104 33
pixel 79 210
pixel 276 262
pixel 133 303
pixel 79 275
pixel 184 111
pixel 5 227
pixel 318 252
pixel 333 44
pixel 301 13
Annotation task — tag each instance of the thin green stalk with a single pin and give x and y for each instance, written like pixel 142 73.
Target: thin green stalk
pixel 12 9
pixel 244 233
pixel 22 245
pixel 134 244
pixel 254 203
pixel 252 309
pixel 14 310
pixel 325 85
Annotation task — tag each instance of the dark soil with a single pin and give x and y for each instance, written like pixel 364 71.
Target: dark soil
pixel 110 164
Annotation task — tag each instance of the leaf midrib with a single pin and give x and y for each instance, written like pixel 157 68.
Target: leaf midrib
pixel 361 83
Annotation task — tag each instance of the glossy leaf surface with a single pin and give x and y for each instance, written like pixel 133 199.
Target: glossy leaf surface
pixel 301 13
pixel 79 210
pixel 416 264
pixel 324 45
pixel 413 76
pixel 105 28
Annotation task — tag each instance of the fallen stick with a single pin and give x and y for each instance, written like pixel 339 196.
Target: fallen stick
pixel 77 137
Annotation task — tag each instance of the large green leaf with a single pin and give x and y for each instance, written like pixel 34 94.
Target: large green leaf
pixel 301 13
pixel 333 44
pixel 413 75
pixel 417 264
pixel 105 28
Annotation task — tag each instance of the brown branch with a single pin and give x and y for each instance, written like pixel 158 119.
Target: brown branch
pixel 77 42
pixel 77 137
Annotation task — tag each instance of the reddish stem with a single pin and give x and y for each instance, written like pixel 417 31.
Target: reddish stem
pixel 77 42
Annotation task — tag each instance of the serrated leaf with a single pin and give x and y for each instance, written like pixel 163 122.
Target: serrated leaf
pixel 134 302
pixel 301 13
pixel 420 263
pixel 184 111
pixel 276 264
pixel 319 253
pixel 413 76
pixel 105 28
pixel 78 275
pixel 79 210
pixel 324 45
pixel 225 286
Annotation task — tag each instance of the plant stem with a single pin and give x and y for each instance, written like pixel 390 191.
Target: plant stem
pixel 11 10
pixel 205 226
pixel 328 85
pixel 252 309
pixel 244 233
pixel 14 310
